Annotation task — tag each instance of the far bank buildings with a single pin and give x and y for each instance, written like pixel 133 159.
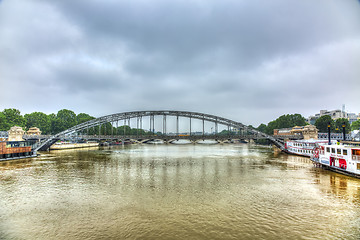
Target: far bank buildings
pixel 334 114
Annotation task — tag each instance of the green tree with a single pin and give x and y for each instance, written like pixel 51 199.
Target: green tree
pixel 12 118
pixel 339 125
pixel 53 123
pixel 39 120
pixel 355 125
pixel 286 121
pixel 83 117
pixel 322 124
pixel 65 120
pixel 262 128
pixel 121 130
pixel 57 126
pixel 3 123
pixel 106 129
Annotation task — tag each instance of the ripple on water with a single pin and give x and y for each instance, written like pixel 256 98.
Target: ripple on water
pixel 176 192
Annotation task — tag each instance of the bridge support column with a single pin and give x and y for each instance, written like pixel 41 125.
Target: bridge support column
pixel 203 125
pixel 177 125
pixel 164 124
pixel 124 126
pixel 141 124
pixel 216 127
pixel 117 128
pixel 137 126
pixel 151 124
pixel 190 127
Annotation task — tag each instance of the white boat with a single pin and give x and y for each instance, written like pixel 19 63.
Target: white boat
pixel 155 141
pixel 304 147
pixel 343 158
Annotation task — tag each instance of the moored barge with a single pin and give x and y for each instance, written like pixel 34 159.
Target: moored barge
pixel 15 150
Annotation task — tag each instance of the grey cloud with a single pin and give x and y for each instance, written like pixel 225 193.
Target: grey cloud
pixel 264 58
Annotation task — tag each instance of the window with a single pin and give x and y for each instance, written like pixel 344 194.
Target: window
pixel 356 152
pixel 344 152
pixel 339 151
pixel 328 149
pixel 333 150
pixel 358 166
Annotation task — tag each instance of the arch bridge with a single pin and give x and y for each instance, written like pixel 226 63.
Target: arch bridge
pixel 236 129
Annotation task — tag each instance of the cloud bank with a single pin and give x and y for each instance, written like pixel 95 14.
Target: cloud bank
pixel 249 61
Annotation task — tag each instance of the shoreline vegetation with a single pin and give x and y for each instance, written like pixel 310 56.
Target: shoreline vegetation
pixel 53 123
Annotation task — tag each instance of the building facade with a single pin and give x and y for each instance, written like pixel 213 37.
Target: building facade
pixel 33 131
pixel 334 114
pixel 307 132
pixel 15 134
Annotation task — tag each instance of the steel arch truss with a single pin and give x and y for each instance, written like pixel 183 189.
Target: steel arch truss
pixel 139 114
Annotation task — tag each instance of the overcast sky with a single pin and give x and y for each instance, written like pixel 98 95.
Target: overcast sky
pixel 250 61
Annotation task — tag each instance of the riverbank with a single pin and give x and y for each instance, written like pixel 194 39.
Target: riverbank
pixel 61 146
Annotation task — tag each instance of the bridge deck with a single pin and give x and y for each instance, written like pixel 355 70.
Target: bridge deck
pixel 238 127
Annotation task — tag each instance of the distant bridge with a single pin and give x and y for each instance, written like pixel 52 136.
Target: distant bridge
pixel 235 129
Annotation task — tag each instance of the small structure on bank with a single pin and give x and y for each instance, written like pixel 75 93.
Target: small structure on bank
pixel 297 130
pixel 33 131
pixel 308 132
pixel 15 134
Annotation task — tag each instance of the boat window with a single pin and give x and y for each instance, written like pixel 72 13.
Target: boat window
pixel 332 150
pixel 328 149
pixel 344 152
pixel 356 152
pixel 339 151
pixel 358 166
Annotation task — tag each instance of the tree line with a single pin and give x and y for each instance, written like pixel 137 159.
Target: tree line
pixel 64 119
pixel 50 124
pixel 322 123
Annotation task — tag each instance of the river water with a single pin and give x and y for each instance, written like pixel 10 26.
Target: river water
pixel 176 192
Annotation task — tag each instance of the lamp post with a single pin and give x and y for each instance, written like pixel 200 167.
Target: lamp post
pixel 329 132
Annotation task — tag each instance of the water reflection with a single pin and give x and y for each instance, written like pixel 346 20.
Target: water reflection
pixel 176 192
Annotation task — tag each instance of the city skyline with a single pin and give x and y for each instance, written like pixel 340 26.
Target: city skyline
pixel 249 61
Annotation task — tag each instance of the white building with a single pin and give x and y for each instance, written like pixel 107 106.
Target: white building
pixel 334 114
